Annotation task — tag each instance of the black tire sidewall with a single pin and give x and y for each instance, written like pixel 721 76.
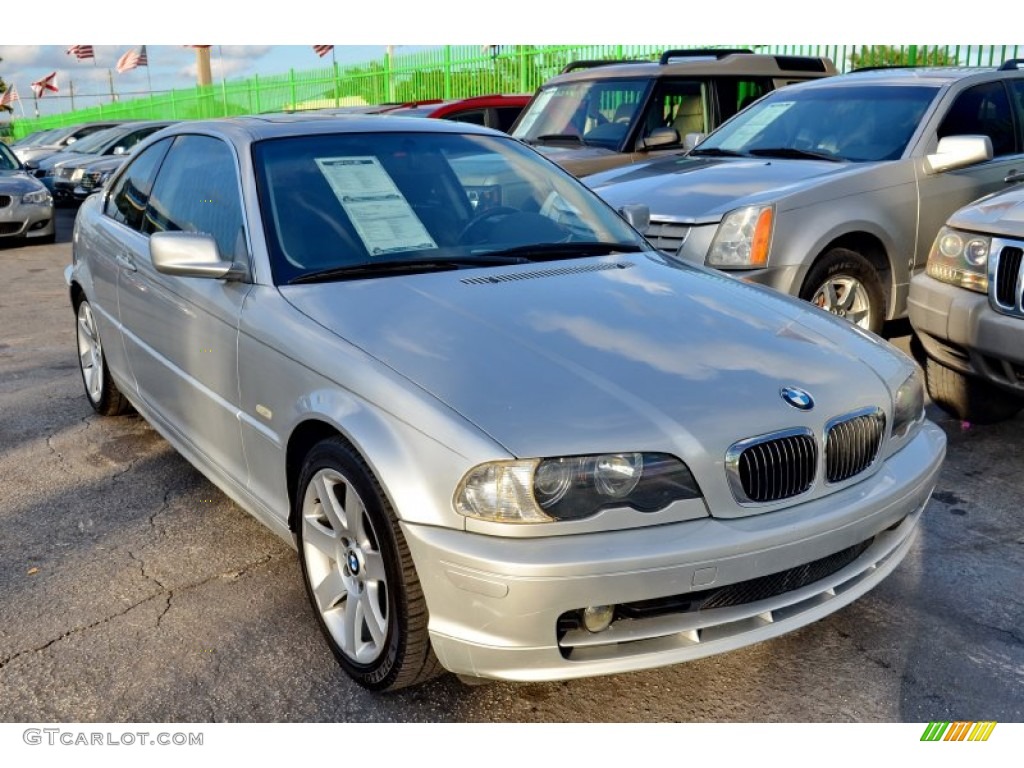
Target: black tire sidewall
pixel 332 454
pixel 844 262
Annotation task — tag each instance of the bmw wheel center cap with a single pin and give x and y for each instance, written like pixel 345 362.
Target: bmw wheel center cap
pixel 798 398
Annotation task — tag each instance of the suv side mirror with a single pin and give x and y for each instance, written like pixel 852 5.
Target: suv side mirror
pixel 637 215
pixel 660 137
pixel 958 152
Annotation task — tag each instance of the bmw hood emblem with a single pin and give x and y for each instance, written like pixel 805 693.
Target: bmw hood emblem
pixel 798 398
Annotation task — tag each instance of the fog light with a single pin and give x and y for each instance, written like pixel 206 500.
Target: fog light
pixel 597 618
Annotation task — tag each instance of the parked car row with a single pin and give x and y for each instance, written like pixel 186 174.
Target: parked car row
pixel 26 207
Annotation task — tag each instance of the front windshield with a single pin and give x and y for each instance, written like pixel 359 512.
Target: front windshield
pixel 859 123
pixel 94 142
pixel 339 200
pixel 598 112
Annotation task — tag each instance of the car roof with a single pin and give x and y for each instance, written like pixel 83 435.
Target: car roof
pixel 933 76
pixel 251 128
pixel 702 63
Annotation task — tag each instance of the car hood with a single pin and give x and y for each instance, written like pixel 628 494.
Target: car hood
pixel 998 214
pixel 582 160
pixel 18 183
pixel 703 189
pixel 617 353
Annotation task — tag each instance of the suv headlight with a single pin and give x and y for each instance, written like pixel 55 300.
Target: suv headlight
pixel 573 487
pixel 743 238
pixel 908 406
pixel 960 258
pixel 42 197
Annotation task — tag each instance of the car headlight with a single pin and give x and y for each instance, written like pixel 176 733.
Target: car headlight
pixel 76 175
pixel 908 406
pixel 960 258
pixel 42 197
pixel 743 238
pixel 573 487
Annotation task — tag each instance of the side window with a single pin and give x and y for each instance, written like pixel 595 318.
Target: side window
pixel 506 117
pixel 128 199
pixel 133 138
pixel 197 191
pixel 474 116
pixel 677 104
pixel 736 93
pixel 985 110
pixel 1017 96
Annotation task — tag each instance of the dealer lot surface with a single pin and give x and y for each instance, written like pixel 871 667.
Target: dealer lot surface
pixel 132 589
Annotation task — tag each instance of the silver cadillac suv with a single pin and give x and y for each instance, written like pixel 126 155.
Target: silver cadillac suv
pixel 833 190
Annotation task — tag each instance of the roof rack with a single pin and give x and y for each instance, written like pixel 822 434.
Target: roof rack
pixel 683 53
pixel 1011 64
pixel 876 67
pixel 590 63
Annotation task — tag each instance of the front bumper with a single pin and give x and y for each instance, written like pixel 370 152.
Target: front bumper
pixel 18 219
pixel 959 329
pixel 495 603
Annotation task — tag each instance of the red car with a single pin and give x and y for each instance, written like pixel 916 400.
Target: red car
pixel 497 111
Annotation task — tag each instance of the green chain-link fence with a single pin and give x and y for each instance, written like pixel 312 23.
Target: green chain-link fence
pixel 457 71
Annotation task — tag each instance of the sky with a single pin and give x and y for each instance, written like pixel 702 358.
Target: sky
pixel 272 41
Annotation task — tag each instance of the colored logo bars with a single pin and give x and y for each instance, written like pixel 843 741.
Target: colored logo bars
pixel 958 731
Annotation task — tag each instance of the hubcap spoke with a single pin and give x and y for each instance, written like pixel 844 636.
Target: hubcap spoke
pixel 350 630
pixel 354 516
pixel 331 590
pixel 374 621
pixel 831 298
pixel 329 503
pixel 373 565
pixel 323 541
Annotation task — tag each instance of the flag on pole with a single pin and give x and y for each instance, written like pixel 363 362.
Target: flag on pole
pixel 135 57
pixel 81 52
pixel 48 83
pixel 9 96
pixel 322 50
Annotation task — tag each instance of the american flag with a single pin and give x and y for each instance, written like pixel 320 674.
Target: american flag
pixel 132 58
pixel 81 52
pixel 322 50
pixel 9 96
pixel 48 83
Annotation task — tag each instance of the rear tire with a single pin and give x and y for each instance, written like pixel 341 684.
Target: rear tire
pixel 359 575
pixel 846 284
pixel 968 397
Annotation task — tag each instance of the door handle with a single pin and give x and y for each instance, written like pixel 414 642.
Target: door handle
pixel 1014 177
pixel 126 261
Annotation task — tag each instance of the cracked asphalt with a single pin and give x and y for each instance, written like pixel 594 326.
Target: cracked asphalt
pixel 131 589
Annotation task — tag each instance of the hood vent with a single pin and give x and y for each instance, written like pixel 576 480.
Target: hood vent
pixel 539 273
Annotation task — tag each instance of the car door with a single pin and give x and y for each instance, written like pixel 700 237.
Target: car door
pixel 983 109
pixel 181 333
pixel 118 233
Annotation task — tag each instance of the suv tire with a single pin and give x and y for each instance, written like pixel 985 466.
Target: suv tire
pixel 968 397
pixel 846 284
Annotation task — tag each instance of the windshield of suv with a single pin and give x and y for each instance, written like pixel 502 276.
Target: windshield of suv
pixel 598 112
pixel 865 123
pixel 358 204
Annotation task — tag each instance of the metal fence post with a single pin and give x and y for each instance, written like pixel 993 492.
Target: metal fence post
pixel 291 86
pixel 912 55
pixel 447 71
pixel 256 92
pixel 337 85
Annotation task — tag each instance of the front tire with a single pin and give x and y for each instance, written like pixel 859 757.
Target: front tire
pixel 104 396
pixel 358 572
pixel 968 397
pixel 846 284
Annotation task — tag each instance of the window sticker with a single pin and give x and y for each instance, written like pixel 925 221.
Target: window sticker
pixel 382 216
pixel 756 123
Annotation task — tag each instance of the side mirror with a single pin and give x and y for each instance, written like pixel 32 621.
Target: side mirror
pixel 958 152
pixel 691 140
pixel 637 215
pixel 660 137
pixel 191 254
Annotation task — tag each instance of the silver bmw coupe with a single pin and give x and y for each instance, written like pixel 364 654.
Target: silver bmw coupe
pixel 507 437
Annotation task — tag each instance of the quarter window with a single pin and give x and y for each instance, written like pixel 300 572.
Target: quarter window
pixel 129 197
pixel 197 191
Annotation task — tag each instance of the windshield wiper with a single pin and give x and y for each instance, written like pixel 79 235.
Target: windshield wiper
pixel 559 137
pixel 716 152
pixel 555 251
pixel 410 267
pixel 797 154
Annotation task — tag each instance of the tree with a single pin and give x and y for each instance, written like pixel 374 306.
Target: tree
pixel 904 56
pixel 3 89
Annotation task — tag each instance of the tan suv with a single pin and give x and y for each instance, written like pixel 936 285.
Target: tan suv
pixel 603 114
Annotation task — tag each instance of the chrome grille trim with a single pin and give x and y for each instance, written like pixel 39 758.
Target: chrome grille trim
pixel 509 277
pixel 667 236
pixel 852 443
pixel 1006 277
pixel 772 467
